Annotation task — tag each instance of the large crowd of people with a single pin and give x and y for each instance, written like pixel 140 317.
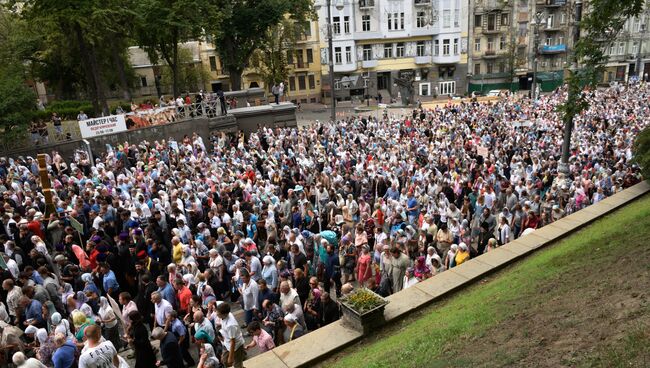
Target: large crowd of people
pixel 215 247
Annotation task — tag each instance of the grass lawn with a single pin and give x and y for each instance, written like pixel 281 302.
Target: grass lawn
pixel 582 302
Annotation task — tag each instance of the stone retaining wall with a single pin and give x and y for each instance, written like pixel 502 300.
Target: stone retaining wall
pixel 319 344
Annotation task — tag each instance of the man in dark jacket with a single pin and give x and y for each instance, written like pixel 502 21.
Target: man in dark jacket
pixel 169 349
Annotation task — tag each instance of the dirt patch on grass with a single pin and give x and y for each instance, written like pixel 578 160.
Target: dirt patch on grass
pixel 573 318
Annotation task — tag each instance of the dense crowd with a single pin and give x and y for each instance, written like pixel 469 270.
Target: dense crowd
pixel 168 240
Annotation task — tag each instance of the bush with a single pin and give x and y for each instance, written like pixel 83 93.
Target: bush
pixel 641 150
pixel 362 300
pixel 65 104
pixel 68 110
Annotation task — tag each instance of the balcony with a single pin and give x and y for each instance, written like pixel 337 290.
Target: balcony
pixel 553 27
pixel 369 64
pixel 422 2
pixel 553 49
pixel 301 65
pixel 494 30
pixel 553 3
pixel 446 59
pixel 422 60
pixel 366 4
pixel 490 54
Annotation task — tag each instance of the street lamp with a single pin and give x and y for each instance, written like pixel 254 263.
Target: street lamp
pixel 339 7
pixel 639 64
pixel 535 23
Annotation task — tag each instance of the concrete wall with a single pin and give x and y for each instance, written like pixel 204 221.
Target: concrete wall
pixel 246 119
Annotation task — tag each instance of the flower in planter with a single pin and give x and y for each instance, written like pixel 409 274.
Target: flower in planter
pixel 363 300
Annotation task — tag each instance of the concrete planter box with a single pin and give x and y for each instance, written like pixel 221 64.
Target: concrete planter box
pixel 366 321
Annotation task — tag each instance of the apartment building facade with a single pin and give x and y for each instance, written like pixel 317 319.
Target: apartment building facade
pixel 381 45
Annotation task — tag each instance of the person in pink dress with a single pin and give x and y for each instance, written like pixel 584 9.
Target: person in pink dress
pixel 364 269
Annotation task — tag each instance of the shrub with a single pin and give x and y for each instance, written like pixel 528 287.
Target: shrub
pixel 641 150
pixel 362 300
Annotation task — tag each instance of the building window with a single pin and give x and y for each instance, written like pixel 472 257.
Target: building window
pixel 560 40
pixel 365 23
pixel 388 50
pixel 312 81
pixel 635 47
pixel 504 19
pixel 419 49
pixel 399 51
pixel 395 21
pixel 492 22
pixel 502 43
pixel 502 68
pixel 143 80
pixel 367 52
pixel 346 24
pixel 401 20
pixel 436 47
pixel 337 25
pixel 390 21
pixel 490 45
pixel 292 83
pixel 445 47
pixel 447 88
pixel 446 18
pixel 420 20
pixel 213 63
pixel 562 18
pixel 490 68
pixel 425 89
pixel 549 41
pixel 301 82
pixel 612 49
pixel 455 46
pixel 348 54
pixel 477 45
pixel 456 17
pixel 477 20
pixel 621 48
pixel 477 69
pixel 549 21
pixel 310 56
pixel 338 58
pixel 289 57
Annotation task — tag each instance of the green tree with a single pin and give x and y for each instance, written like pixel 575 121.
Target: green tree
pixel 641 151
pixel 17 102
pixel 161 25
pixel 271 58
pixel 598 28
pixel 243 26
pixel 190 77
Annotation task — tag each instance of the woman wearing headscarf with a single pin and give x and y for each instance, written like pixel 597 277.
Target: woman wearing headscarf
pixel 108 319
pixel 66 291
pixel 313 309
pixel 46 346
pixel 61 325
pixel 421 269
pixel 270 272
pixel 139 339
pixel 364 269
pixel 80 321
pixel 207 295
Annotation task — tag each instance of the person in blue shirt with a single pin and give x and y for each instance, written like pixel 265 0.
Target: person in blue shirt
pixel 166 290
pixel 413 208
pixel 392 193
pixel 175 326
pixel 332 270
pixel 109 282
pixel 33 312
pixel 64 355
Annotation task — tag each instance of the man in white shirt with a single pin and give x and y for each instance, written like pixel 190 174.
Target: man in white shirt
pixel 249 292
pixel 203 324
pixel 233 340
pixel 162 309
pixel 96 354
pixel 14 293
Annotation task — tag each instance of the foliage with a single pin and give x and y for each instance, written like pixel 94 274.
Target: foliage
pixel 362 300
pixel 160 25
pixel 271 59
pixel 243 26
pixel 599 27
pixel 641 150
pixel 440 335
pixel 190 76
pixel 17 101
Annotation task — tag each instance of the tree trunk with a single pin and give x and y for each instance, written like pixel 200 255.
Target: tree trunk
pixel 121 73
pixel 99 82
pixel 83 50
pixel 174 66
pixel 235 78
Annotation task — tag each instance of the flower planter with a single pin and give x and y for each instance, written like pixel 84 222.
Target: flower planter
pixel 366 321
